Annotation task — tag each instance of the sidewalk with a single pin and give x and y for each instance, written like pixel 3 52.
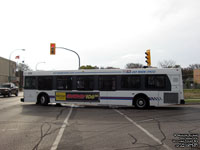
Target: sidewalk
pixel 21 94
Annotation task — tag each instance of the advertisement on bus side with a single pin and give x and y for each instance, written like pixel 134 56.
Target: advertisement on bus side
pixel 78 96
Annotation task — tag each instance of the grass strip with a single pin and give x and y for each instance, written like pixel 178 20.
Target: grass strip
pixel 192 100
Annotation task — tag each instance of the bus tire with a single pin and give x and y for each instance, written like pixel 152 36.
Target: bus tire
pixel 141 102
pixel 43 99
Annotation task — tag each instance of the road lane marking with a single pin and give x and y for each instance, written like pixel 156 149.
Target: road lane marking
pixel 144 130
pixel 4 130
pixel 145 120
pixel 61 131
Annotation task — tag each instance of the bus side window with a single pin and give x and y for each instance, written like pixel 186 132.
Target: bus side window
pixel 64 83
pixel 85 83
pixel 107 83
pixel 130 82
pixel 155 82
pixel 160 82
pixel 45 83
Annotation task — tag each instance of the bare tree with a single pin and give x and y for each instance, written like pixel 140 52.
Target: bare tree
pixel 194 66
pixel 133 65
pixel 23 67
pixel 168 64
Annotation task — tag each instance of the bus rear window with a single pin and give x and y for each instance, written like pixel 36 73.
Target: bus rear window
pixel 30 83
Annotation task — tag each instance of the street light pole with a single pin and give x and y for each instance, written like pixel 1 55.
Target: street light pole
pixel 9 78
pixel 79 61
pixel 38 64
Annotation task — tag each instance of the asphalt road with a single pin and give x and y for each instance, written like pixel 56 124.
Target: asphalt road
pixel 26 126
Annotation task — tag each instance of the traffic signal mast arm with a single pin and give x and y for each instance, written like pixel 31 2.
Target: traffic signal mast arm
pixel 53 52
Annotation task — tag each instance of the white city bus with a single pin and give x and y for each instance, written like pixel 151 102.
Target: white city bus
pixel 139 87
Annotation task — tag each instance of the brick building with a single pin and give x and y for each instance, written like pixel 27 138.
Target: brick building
pixel 196 76
pixel 4 70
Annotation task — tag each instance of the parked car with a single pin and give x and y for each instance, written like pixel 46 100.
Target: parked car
pixel 8 89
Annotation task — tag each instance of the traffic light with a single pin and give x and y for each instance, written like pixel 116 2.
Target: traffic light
pixel 148 57
pixel 52 48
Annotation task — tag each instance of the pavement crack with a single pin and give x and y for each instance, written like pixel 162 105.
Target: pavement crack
pixel 161 131
pixel 60 113
pixel 44 133
pixel 135 140
pixel 196 128
pixel 48 126
pixel 143 145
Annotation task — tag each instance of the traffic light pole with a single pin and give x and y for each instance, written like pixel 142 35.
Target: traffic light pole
pixel 79 61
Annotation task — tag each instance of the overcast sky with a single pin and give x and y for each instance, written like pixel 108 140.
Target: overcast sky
pixel 103 32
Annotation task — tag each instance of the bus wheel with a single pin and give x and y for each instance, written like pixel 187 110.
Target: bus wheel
pixel 141 103
pixel 43 99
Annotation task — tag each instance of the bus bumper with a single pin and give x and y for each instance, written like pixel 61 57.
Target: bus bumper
pixel 182 101
pixel 22 99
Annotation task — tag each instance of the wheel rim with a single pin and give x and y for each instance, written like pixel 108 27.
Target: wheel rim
pixel 141 103
pixel 42 100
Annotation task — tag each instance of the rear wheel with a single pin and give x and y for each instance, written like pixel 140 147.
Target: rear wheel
pixel 44 99
pixel 16 94
pixel 141 103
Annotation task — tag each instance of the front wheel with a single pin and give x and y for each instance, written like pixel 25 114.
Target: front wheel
pixel 9 94
pixel 44 99
pixel 141 103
